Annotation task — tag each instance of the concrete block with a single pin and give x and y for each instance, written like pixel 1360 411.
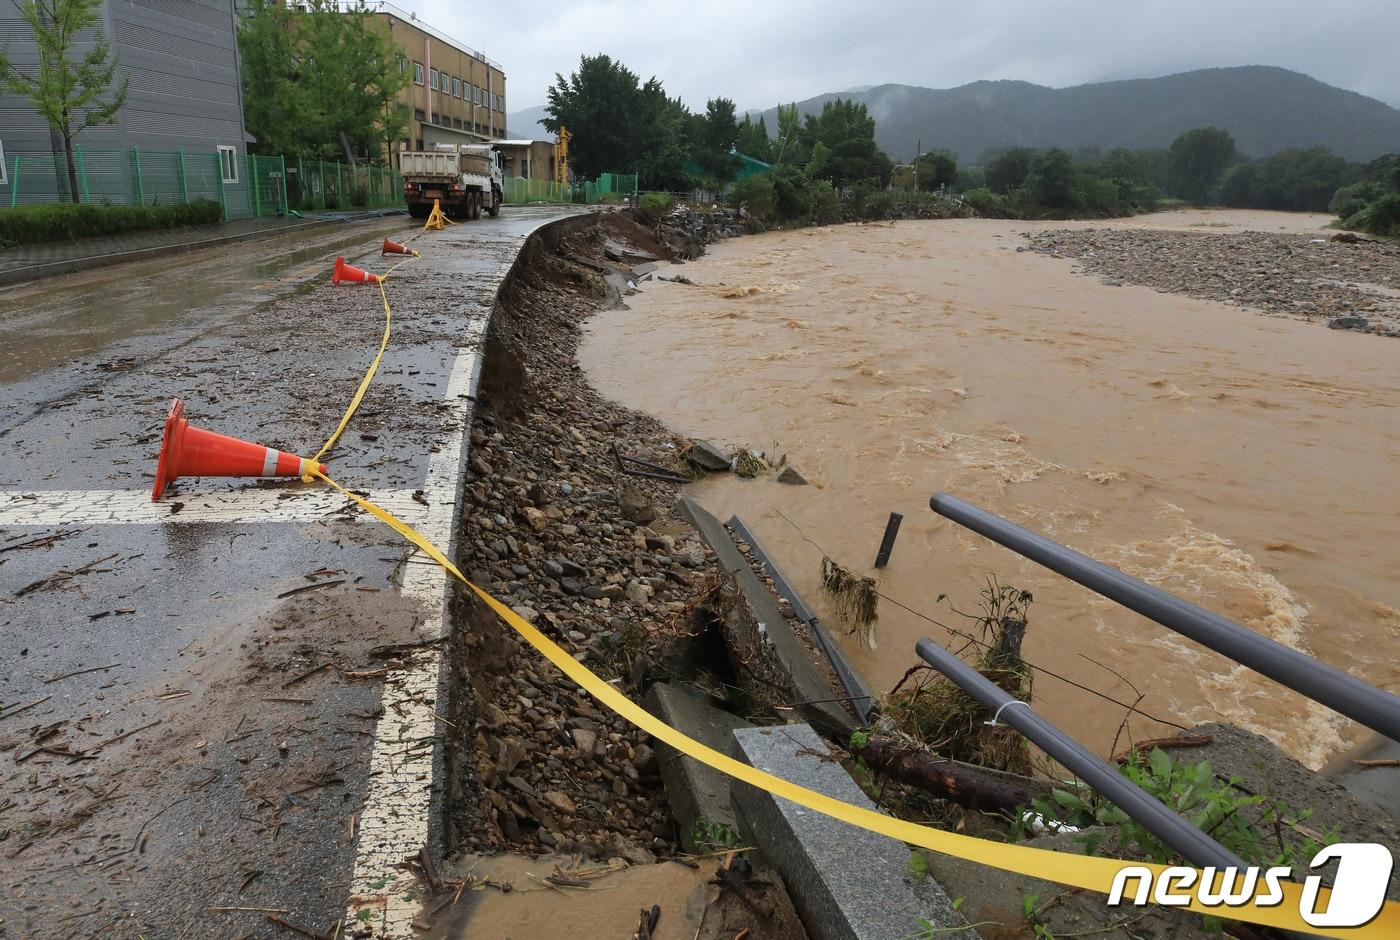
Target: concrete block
pixel 804 680
pixel 694 790
pixel 847 883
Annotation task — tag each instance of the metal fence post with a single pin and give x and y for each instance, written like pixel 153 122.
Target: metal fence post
pixel 14 184
pixel 321 172
pixel 223 190
pixel 82 172
pixel 339 187
pixel 285 206
pixel 253 185
pixel 184 182
pixel 140 185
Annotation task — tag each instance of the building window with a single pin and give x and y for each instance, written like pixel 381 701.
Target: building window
pixel 433 78
pixel 228 164
pixel 502 100
pixel 456 88
pixel 457 123
pixel 418 114
pixel 418 73
pixel 403 64
pixel 446 84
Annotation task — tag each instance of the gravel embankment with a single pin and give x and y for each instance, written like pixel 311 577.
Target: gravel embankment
pixel 588 554
pixel 1346 285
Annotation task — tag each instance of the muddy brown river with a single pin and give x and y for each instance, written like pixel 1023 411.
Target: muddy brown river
pixel 1244 462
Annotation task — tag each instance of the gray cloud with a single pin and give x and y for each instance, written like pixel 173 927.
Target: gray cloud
pixel 760 53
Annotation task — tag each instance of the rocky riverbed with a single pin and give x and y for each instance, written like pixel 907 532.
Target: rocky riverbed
pixel 1345 284
pixel 589 554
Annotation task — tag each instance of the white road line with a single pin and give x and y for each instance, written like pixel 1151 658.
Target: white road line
pixel 249 505
pixel 393 823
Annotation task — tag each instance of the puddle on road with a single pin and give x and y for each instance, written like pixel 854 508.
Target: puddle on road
pixel 1244 462
pixel 52 321
pixel 608 907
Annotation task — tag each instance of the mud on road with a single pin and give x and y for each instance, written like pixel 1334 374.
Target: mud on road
pixel 190 706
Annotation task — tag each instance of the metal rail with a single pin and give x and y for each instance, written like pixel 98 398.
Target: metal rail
pixel 1172 828
pixel 862 702
pixel 1340 691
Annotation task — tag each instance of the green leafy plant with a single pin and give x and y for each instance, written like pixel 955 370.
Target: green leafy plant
pixel 711 836
pixel 917 868
pixel 63 221
pixel 1249 825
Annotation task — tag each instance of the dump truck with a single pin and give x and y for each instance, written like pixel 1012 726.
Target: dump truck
pixel 465 178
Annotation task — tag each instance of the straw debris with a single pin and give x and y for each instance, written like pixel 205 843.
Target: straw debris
pixel 943 718
pixel 855 598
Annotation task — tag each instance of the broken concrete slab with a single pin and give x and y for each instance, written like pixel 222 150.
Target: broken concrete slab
pixel 771 631
pixel 696 792
pixel 848 883
pixel 707 456
pixel 792 477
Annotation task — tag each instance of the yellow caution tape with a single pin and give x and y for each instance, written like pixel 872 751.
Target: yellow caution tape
pixel 1079 871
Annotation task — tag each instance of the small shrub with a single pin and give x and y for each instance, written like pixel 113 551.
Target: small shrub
pixel 359 197
pixel 988 203
pixel 655 205
pixel 1381 217
pixel 65 221
pixel 1349 200
pixel 757 193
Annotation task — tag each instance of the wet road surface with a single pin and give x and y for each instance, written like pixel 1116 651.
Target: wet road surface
pixel 189 703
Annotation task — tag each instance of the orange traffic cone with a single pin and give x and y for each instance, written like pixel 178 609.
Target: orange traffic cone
pixel 394 248
pixel 186 450
pixel 349 274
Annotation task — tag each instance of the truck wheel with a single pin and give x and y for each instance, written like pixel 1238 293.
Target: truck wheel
pixel 418 211
pixel 495 209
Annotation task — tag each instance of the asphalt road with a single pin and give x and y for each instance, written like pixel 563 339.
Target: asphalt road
pixel 193 704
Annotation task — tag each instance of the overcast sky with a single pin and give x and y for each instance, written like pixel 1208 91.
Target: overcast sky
pixel 761 52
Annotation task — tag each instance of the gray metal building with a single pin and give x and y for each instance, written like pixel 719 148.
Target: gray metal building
pixel 181 132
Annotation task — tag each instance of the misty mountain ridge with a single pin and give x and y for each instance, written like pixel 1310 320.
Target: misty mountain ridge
pixel 1265 108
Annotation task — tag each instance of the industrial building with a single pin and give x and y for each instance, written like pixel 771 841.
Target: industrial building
pixel 184 110
pixel 457 95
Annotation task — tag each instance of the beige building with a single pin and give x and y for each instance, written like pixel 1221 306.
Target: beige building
pixel 456 94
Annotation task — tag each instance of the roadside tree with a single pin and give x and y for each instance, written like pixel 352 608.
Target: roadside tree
pixel 71 89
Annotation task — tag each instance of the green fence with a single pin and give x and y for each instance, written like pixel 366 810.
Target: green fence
pixel 250 186
pixel 519 189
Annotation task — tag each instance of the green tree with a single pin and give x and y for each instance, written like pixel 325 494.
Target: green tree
pixel 847 131
pixel 714 135
pixel 274 101
pixel 350 71
pixel 788 147
pixel 1051 180
pixel 935 169
pixel 1197 159
pixel 322 82
pixel 753 139
pixel 67 89
pixel 619 124
pixel 1008 170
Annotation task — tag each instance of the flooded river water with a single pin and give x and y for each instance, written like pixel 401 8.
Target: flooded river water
pixel 1244 462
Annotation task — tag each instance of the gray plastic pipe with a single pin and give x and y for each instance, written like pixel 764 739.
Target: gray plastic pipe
pixel 1340 691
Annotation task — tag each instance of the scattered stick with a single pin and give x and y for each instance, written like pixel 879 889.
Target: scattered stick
pixel 646 923
pixel 275 919
pixel 307 675
pixel 24 708
pixel 125 734
pixel 1377 762
pixel 310 587
pixel 255 910
pixel 80 672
